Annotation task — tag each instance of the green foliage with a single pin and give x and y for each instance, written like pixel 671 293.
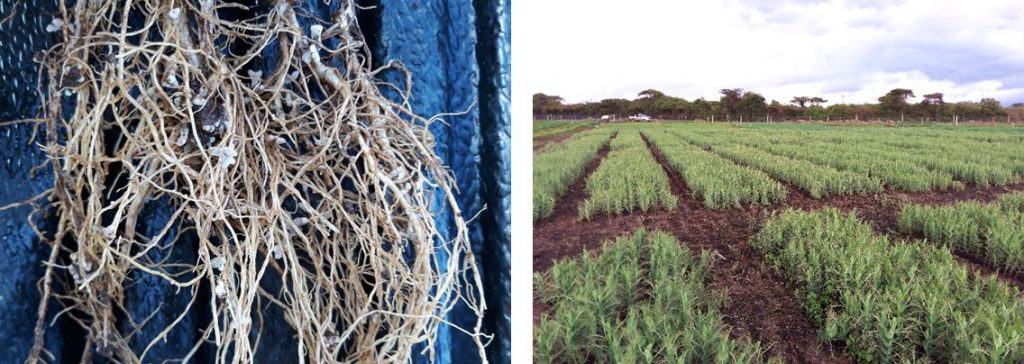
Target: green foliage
pixel 994 232
pixel 979 156
pixel 824 160
pixel 555 169
pixel 909 159
pixel 547 104
pixel 1004 162
pixel 736 102
pixel 819 181
pixel 895 102
pixel 642 300
pixel 959 164
pixel 629 178
pixel 903 302
pixel 897 172
pixel 555 127
pixel 720 183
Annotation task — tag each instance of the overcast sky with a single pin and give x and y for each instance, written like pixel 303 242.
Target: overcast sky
pixel 587 50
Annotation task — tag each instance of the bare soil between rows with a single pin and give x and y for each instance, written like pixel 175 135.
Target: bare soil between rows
pixel 759 304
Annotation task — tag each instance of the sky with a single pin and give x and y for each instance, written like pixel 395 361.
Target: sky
pixel 852 51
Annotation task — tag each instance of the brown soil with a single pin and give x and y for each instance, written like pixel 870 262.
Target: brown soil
pixel 759 304
pixel 542 143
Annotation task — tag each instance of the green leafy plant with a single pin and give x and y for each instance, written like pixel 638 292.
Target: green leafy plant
pixel 556 168
pixel 628 179
pixel 892 302
pixel 819 181
pixel 719 182
pixel 642 299
pixel 994 231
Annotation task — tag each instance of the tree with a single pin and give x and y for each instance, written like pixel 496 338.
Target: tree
pixel 816 112
pixel 991 107
pixel 736 102
pixel 800 101
pixel 840 111
pixel 932 104
pixel 704 108
pixel 933 99
pixel 730 97
pixel 776 109
pixel 651 93
pixel 613 107
pixel 803 101
pixel 546 104
pixel 751 105
pixel 895 102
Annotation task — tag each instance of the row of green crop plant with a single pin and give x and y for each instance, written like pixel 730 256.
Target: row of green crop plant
pixel 628 179
pixel 996 142
pixel 819 181
pixel 982 134
pixel 720 183
pixel 748 147
pixel 990 231
pixel 541 125
pixel 554 127
pixel 909 159
pixel 1002 155
pixel 1004 135
pixel 642 300
pixel 979 164
pixel 702 135
pixel 555 169
pixel 892 302
pixel 983 174
pixel 1005 154
pixel 974 162
pixel 896 172
pixel 992 136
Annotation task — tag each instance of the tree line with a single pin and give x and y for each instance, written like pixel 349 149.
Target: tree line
pixel 737 104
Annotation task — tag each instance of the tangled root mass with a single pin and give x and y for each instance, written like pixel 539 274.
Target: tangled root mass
pixel 307 173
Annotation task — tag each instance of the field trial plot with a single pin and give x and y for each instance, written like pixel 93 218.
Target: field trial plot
pixel 897 188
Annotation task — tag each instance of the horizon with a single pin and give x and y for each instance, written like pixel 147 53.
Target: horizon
pixel 918 96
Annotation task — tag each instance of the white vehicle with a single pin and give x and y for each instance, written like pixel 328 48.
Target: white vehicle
pixel 640 117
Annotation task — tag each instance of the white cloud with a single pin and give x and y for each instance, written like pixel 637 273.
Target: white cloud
pixel 590 50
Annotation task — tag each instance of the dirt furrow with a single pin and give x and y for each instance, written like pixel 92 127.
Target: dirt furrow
pixel 759 305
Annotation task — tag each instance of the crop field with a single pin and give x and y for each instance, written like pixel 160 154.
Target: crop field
pixel 992 231
pixel 718 181
pixel 891 301
pixel 628 179
pixel 818 180
pixel 670 316
pixel 899 173
pixel 554 170
pixel 543 129
pixel 730 242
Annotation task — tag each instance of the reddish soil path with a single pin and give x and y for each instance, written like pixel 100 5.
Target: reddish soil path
pixel 542 143
pixel 759 305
